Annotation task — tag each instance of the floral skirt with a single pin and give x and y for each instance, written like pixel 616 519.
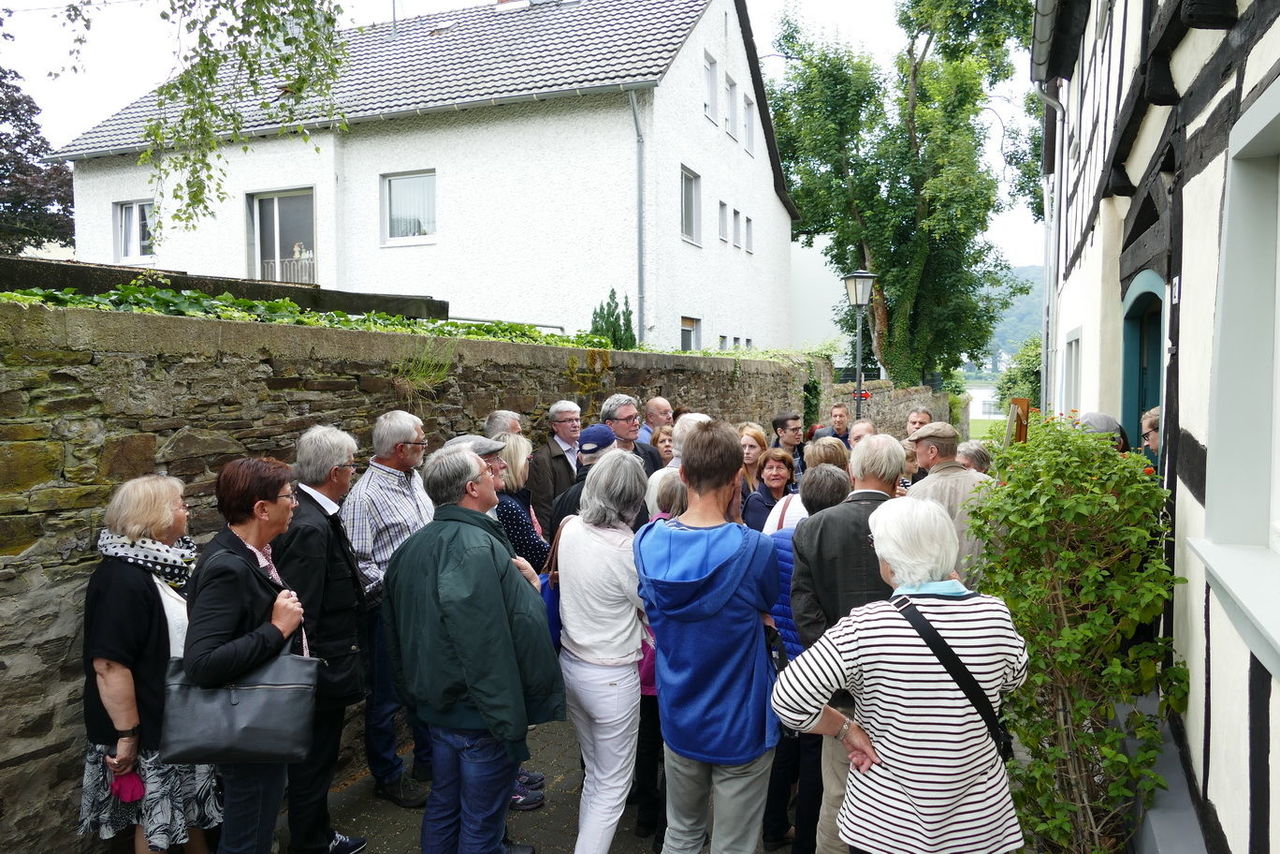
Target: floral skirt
pixel 176 797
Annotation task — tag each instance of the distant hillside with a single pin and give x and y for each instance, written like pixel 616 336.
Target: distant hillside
pixel 1022 318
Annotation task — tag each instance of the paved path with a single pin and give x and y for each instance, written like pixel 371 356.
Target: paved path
pixel 551 828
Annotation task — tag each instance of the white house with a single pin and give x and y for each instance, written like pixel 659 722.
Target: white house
pixel 1163 144
pixel 517 160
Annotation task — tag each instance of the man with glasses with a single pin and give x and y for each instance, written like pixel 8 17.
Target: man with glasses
pixel 315 559
pixel 553 466
pixel 657 413
pixel 385 507
pixel 788 432
pixel 621 414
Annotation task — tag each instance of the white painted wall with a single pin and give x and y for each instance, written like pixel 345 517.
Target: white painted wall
pixel 816 292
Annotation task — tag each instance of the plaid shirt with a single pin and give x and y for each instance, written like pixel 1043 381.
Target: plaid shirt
pixel 384 508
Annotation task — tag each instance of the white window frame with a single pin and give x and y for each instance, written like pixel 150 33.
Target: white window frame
pixel 692 325
pixel 748 125
pixel 748 236
pixel 731 107
pixel 691 218
pixel 127 245
pixel 1071 371
pixel 724 222
pixel 711 87
pixel 384 183
pixel 256 265
pixel 724 342
pixel 737 229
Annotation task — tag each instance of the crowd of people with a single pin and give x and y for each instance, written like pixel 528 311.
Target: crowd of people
pixel 716 608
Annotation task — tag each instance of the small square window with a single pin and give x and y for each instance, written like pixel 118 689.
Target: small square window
pixel 748 343
pixel 690 333
pixel 724 342
pixel 737 342
pixel 731 106
pixel 724 222
pixel 134 240
pixel 748 237
pixel 737 229
pixel 711 85
pixel 408 207
pixel 690 205
pixel 749 125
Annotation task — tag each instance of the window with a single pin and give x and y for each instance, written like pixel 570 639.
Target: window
pixel 724 342
pixel 408 207
pixel 1071 372
pixel 284 231
pixel 133 231
pixel 737 229
pixel 690 333
pixel 690 205
pixel 731 106
pixel 711 86
pixel 749 125
pixel 749 239
pixel 737 342
pixel 724 222
pixel 748 343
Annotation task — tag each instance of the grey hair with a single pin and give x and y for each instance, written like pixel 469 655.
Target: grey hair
pixel 609 409
pixel 614 491
pixel 596 456
pixel 562 406
pixel 684 426
pixel 916 538
pixel 823 486
pixel 391 429
pixel 320 449
pixel 448 471
pixel 976 453
pixel 499 421
pixel 878 456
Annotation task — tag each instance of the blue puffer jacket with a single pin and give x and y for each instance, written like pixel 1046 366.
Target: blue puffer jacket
pixel 781 609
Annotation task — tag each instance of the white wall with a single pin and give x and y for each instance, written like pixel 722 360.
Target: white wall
pixel 736 293
pixel 816 292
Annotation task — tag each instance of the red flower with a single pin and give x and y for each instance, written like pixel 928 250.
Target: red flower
pixel 1148 470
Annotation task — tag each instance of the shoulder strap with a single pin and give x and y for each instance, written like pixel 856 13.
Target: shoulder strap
pixel 552 564
pixel 782 514
pixel 952 663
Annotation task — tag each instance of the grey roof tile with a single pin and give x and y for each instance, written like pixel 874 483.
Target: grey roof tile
pixel 425 63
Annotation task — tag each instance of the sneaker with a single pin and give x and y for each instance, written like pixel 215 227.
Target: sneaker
pixel 530 779
pixel 346 844
pixel 402 791
pixel 524 798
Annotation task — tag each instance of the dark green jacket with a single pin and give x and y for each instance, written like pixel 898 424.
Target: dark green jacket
pixel 467 634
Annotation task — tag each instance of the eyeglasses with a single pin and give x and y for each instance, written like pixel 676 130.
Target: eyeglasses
pixel 293 497
pixel 351 466
pixel 568 421
pixel 413 443
pixel 631 420
pixel 796 429
pixel 1148 433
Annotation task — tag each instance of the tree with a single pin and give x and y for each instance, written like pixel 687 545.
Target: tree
pixel 35 197
pixel 608 322
pixel 1025 154
pixel 890 166
pixel 1022 377
pixel 263 63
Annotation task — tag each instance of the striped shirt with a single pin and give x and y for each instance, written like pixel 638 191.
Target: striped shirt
pixel 384 508
pixel 940 787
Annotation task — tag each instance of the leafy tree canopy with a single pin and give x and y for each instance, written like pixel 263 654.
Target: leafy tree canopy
pixel 890 165
pixel 35 197
pixel 1022 377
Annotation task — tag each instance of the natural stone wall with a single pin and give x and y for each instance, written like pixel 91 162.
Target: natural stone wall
pixel 88 399
pixel 889 406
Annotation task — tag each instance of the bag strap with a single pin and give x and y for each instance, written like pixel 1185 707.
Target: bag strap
pixel 552 563
pixel 782 514
pixel 952 663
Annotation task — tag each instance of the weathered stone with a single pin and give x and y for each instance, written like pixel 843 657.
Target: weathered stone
pixel 329 385
pixel 25 464
pixel 194 442
pixel 13 404
pixel 12 503
pixel 77 404
pixel 190 467
pixel 23 357
pixel 68 498
pixel 373 384
pixel 160 425
pixel 17 533
pixel 124 457
pixel 23 432
pixel 276 383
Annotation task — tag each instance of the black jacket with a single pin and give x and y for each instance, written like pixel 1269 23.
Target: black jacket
pixel 549 475
pixel 650 456
pixel 315 559
pixel 229 602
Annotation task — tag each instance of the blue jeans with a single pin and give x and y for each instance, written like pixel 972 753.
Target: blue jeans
pixel 466 812
pixel 251 801
pixel 380 710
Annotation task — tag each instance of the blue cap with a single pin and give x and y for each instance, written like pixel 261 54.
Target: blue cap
pixel 594 438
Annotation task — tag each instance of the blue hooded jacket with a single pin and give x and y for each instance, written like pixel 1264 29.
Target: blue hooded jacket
pixel 704 590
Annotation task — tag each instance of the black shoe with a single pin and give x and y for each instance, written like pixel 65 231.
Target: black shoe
pixel 421 773
pixel 514 848
pixel 346 844
pixel 402 791
pixel 645 828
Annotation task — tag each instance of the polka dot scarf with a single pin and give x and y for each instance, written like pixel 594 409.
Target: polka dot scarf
pixel 171 563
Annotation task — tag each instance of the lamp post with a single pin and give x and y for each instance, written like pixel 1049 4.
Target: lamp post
pixel 858 285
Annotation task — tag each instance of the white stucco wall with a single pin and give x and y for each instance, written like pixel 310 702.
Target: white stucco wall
pixel 734 292
pixel 816 292
pixel 1201 223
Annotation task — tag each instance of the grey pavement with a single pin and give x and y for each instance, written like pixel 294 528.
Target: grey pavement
pixel 551 828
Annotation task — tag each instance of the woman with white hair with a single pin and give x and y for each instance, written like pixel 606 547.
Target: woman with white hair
pixel 601 635
pixel 926 774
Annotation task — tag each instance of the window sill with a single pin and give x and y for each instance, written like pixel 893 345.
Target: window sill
pixel 690 241
pixel 140 261
pixel 731 136
pixel 1246 580
pixel 713 121
pixel 424 240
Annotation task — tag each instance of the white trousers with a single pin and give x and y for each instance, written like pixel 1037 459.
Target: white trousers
pixel 603 702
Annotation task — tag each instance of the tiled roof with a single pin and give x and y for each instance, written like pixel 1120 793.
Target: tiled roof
pixel 471 57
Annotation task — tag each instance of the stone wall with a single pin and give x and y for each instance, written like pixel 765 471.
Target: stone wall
pixel 889 406
pixel 88 399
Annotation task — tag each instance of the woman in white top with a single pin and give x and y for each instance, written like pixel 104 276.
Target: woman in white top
pixel 601 636
pixel 790 510
pixel 925 776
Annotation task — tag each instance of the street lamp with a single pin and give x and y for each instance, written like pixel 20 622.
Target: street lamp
pixel 858 285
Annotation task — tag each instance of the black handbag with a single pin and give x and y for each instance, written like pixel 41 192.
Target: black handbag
pixel 264 716
pixel 960 673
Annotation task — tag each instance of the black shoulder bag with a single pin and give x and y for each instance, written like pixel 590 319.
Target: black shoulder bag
pixel 960 673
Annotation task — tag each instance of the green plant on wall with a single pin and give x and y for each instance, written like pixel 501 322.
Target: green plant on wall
pixel 588 379
pixel 418 376
pixel 1076 549
pixel 614 324
pixel 812 398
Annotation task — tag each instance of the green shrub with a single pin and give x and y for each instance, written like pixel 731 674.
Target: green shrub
pixel 1075 548
pixel 614 325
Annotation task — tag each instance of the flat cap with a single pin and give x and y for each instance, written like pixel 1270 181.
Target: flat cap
pixel 935 430
pixel 481 445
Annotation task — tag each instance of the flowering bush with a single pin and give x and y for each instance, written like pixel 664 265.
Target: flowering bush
pixel 1075 548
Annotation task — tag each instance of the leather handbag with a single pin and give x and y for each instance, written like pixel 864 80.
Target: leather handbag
pixel 264 716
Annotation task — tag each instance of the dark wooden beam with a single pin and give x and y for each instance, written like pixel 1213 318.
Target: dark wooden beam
pixel 1119 183
pixel 1209 14
pixel 1153 246
pixel 1160 89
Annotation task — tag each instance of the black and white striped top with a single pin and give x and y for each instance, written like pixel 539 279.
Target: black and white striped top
pixel 940 787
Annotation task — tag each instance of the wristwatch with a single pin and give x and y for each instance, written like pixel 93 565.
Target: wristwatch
pixel 131 732
pixel 844 729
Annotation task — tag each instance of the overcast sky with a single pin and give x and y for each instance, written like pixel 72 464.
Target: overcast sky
pixel 131 50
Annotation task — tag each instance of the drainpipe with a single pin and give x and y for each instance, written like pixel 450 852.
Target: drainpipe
pixel 1049 346
pixel 635 115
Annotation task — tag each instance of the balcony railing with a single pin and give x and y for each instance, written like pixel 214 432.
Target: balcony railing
pixel 301 271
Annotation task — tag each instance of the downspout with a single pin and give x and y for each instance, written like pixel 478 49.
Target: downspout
pixel 1049 345
pixel 635 115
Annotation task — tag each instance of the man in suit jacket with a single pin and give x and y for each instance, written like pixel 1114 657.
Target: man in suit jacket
pixel 553 466
pixel 315 559
pixel 836 570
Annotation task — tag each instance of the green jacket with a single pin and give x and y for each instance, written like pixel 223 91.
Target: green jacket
pixel 467 634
